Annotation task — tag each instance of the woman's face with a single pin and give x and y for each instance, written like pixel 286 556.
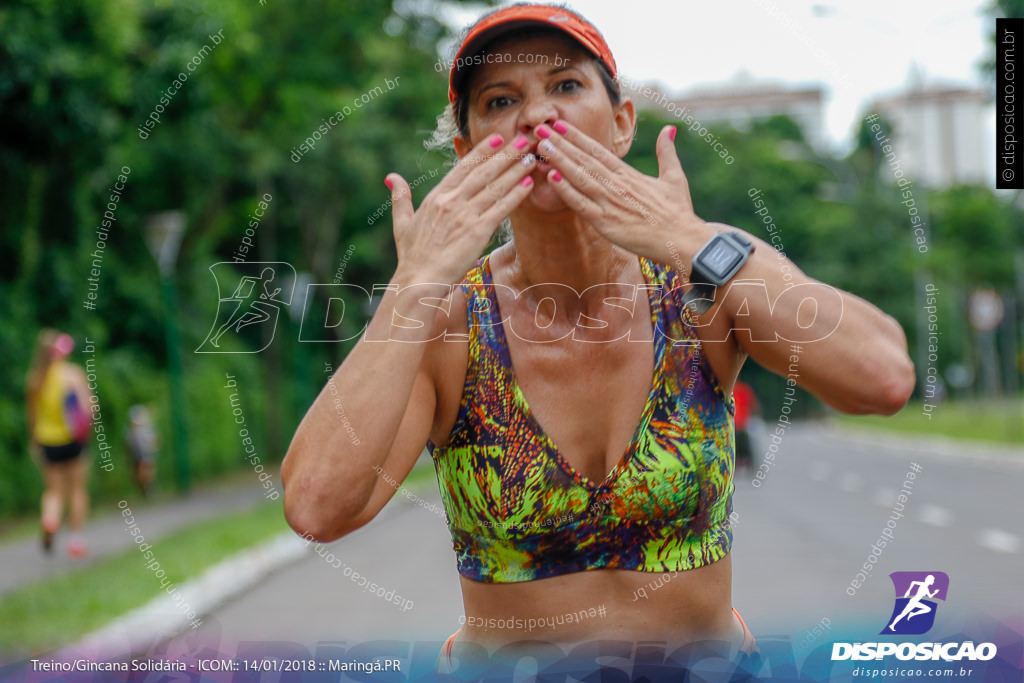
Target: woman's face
pixel 522 83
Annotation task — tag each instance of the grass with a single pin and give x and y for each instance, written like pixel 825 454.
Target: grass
pixel 52 613
pixel 18 529
pixel 58 611
pixel 21 527
pixel 994 421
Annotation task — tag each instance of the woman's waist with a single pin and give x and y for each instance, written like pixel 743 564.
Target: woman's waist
pixel 51 433
pixel 675 607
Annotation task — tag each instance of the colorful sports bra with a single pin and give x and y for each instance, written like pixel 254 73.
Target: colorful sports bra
pixel 518 511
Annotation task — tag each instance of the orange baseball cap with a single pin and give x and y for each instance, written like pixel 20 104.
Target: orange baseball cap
pixel 518 16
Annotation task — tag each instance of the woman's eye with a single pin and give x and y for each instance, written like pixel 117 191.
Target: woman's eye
pixel 498 102
pixel 570 85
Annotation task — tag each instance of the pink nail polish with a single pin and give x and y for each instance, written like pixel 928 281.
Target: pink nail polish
pixel 526 182
pixel 672 133
pixel 495 141
pixel 560 127
pixel 556 176
pixel 387 181
pixel 520 142
pixel 543 131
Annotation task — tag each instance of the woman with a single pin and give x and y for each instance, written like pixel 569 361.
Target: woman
pixel 564 335
pixel 58 398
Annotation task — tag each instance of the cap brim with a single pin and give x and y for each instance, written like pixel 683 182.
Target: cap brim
pixel 477 45
pixel 577 29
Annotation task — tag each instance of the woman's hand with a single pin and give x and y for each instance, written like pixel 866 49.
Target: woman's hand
pixel 442 239
pixel 635 211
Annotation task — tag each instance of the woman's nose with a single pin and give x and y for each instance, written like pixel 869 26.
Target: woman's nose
pixel 536 111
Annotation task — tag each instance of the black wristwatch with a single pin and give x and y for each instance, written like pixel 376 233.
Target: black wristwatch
pixel 716 263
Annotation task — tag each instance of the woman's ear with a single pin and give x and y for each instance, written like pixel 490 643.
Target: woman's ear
pixel 625 127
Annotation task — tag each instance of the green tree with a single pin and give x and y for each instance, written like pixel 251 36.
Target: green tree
pixel 78 78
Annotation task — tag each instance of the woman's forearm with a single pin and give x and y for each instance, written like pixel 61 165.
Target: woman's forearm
pixel 843 349
pixel 329 472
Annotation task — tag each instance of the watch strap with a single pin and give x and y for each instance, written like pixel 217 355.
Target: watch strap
pixel 700 297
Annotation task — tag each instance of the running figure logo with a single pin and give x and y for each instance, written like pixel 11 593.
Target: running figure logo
pixel 253 301
pixel 914 613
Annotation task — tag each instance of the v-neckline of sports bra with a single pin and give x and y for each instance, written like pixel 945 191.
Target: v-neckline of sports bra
pixel 524 407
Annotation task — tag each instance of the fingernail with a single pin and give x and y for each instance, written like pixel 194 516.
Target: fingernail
pixel 520 142
pixel 526 182
pixel 387 181
pixel 543 131
pixel 672 133
pixel 527 160
pixel 556 176
pixel 546 146
pixel 495 141
pixel 561 127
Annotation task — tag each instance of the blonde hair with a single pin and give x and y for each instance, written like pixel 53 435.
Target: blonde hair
pixel 42 359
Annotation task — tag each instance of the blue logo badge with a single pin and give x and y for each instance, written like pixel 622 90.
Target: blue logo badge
pixel 916 592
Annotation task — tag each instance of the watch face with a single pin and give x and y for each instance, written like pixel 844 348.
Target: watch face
pixel 720 258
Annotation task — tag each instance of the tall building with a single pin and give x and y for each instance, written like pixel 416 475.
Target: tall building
pixel 941 135
pixel 739 103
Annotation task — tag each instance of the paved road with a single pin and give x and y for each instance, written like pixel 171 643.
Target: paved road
pixel 800 539
pixel 407 550
pixel 806 532
pixel 23 562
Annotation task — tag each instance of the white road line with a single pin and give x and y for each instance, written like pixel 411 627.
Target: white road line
pixel 934 515
pixel 885 497
pixel 850 482
pixel 999 541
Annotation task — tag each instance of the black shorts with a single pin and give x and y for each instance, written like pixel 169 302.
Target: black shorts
pixel 55 455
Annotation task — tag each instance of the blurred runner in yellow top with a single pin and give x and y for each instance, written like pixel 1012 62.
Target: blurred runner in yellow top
pixel 57 399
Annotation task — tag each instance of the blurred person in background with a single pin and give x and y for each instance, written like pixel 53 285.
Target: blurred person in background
pixel 58 400
pixel 143 444
pixel 578 411
pixel 746 408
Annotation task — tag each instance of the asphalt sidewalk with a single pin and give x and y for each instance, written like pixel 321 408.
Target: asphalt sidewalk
pixel 24 562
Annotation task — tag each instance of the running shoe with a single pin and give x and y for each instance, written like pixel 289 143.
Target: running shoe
pixel 76 547
pixel 49 529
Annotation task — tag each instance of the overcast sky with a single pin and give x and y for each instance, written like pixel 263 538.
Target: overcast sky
pixel 856 50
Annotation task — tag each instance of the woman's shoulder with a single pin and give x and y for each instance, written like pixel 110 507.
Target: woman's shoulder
pixel 75 377
pixel 73 371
